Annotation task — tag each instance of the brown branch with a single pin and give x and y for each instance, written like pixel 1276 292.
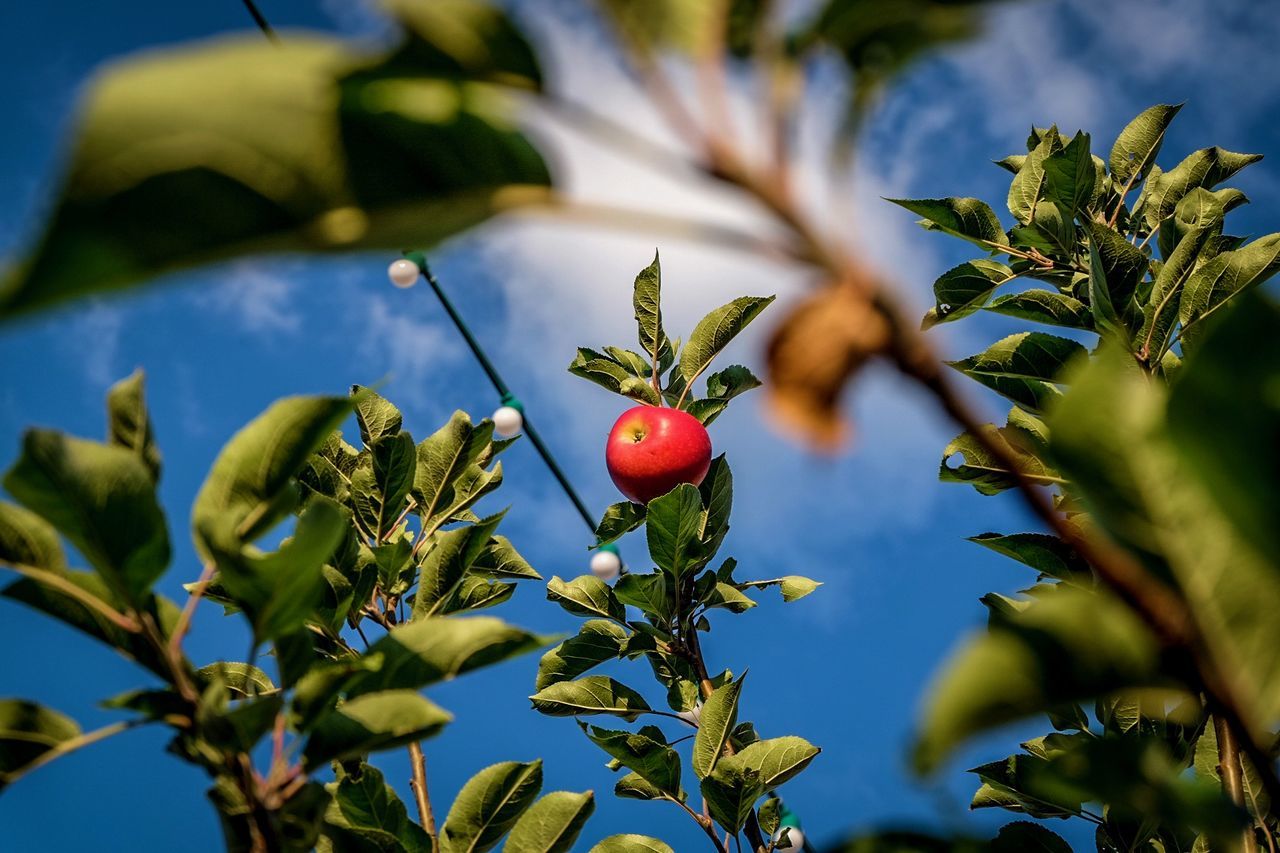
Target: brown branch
pixel 189 609
pixel 418 764
pixel 1232 776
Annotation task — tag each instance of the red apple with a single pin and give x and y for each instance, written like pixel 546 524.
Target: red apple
pixel 653 449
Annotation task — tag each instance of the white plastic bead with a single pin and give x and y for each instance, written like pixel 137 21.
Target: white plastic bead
pixel 795 839
pixel 403 273
pixel 507 422
pixel 605 565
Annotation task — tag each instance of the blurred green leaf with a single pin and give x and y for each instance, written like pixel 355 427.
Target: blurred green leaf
pixel 265 135
pixel 28 732
pixel 27 539
pixel 426 651
pixel 373 722
pixel 1071 645
pixel 129 425
pixel 102 499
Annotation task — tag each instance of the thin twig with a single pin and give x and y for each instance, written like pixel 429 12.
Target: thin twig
pixel 703 823
pixel 188 610
pixel 261 21
pixel 1233 777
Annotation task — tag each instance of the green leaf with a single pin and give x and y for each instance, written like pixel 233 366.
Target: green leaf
pixel 1044 306
pixel 552 824
pixel 1048 555
pixel 27 539
pixel 373 722
pixel 719 716
pixel 776 760
pixel 266 135
pixel 586 595
pixel 1025 837
pixel 28 733
pixel 129 425
pixel 1161 311
pixel 1069 175
pixel 714 332
pixel 985 471
pixel 240 678
pixel 1022 367
pixel 366 808
pixel 64 608
pixel 630 843
pixel 443 569
pixel 731 795
pixel 426 651
pixel 1214 284
pixel 633 787
pixel 1070 645
pixel 674 526
pixel 394 463
pixel 477 593
pixel 1135 149
pixel 1224 417
pixel 792 587
pixel 488 805
pixel 450 475
pixel 1027 189
pixel 1111 436
pixel 594 694
pixel 500 559
pixel 618 520
pixel 962 290
pixel 647 300
pixel 375 415
pixel 612 376
pixel 279 591
pixel 102 499
pixel 1115 268
pixel 729 597
pixel 722 386
pixel 646 752
pixel 1205 168
pixel 716 490
pixel 652 593
pixel 597 641
pixel 251 486
pixel 969 218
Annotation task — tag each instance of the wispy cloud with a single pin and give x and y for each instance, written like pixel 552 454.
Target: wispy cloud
pixel 414 348
pixel 257 294
pixel 98 329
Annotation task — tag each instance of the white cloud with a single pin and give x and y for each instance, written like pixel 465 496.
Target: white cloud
pixel 98 329
pixel 258 294
pixel 414 348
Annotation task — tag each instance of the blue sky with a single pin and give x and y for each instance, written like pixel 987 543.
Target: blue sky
pixel 847 666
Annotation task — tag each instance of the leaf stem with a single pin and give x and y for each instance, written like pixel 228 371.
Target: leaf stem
pixel 189 609
pixel 66 587
pixel 71 745
pixel 702 822
pixel 1232 777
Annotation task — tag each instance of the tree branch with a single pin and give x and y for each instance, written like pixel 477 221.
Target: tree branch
pixel 426 817
pixel 56 581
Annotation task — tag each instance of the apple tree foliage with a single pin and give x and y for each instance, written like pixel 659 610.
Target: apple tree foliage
pixel 381 538
pixel 1148 414
pixel 736 768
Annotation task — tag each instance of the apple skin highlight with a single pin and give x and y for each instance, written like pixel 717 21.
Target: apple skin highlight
pixel 653 449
